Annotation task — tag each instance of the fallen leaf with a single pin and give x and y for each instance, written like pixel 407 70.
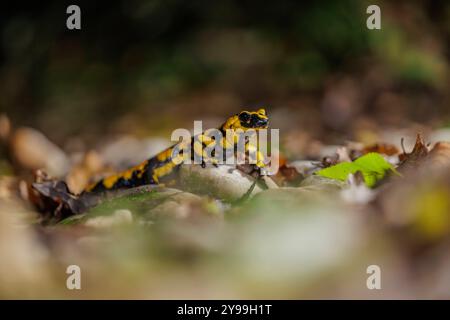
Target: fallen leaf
pixel 419 152
pixel 383 148
pixel 54 200
pixel 82 173
pixel 341 155
pixel 372 166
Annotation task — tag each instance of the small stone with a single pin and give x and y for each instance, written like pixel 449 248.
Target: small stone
pixel 224 182
pixel 32 150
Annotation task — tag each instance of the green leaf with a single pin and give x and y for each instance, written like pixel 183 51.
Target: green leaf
pixel 372 166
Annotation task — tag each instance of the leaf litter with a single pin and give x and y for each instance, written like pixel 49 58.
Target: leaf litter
pixel 367 190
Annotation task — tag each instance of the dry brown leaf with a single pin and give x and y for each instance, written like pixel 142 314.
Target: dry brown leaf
pixel 81 174
pixel 286 174
pixel 419 152
pixel 383 148
pixel 54 200
pixel 341 155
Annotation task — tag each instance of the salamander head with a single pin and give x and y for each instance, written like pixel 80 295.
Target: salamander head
pixel 248 120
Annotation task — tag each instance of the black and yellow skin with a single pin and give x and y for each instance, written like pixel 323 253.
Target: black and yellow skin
pixel 161 168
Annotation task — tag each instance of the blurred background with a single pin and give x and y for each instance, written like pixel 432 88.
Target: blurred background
pixel 144 67
pixel 140 69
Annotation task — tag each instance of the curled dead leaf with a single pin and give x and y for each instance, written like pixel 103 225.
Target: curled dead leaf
pixel 54 200
pixel 341 154
pixel 418 153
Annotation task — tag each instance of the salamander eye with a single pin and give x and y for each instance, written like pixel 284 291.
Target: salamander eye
pixel 244 117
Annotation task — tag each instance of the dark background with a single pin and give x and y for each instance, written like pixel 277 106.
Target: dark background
pixel 147 67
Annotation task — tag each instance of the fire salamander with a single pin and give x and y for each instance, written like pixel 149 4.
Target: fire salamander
pixel 162 167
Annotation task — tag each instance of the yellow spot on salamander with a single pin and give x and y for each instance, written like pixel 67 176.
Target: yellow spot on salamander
pixel 110 181
pixel 163 170
pixel 198 148
pixel 163 156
